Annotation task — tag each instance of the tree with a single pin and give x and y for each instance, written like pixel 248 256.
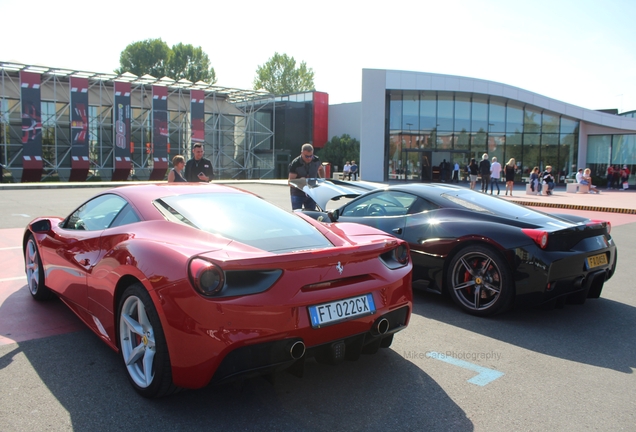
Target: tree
pixel 191 63
pixel 154 57
pixel 150 56
pixel 340 150
pixel 280 76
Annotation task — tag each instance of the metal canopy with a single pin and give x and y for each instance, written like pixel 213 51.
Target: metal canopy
pixel 232 95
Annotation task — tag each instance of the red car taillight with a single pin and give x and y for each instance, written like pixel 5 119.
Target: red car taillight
pixel 540 237
pixel 401 254
pixel 206 277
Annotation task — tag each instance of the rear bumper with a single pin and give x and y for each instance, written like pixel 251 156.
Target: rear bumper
pixel 541 277
pixel 251 335
pixel 270 357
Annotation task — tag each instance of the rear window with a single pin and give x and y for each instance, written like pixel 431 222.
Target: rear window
pixel 244 218
pixel 484 203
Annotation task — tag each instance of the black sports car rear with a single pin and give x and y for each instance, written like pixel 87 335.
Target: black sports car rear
pixel 486 252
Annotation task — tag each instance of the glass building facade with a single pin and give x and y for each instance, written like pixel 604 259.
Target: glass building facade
pixel 426 128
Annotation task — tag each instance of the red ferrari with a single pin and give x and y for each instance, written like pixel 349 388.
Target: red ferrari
pixel 196 283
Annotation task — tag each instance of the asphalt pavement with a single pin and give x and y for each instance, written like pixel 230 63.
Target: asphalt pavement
pixel 564 369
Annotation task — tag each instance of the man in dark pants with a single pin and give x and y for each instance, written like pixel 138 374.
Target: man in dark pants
pixel 443 170
pixel 198 169
pixel 307 166
pixel 354 170
pixel 484 172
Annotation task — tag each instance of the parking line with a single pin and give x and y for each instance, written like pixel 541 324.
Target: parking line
pixel 12 279
pixel 485 375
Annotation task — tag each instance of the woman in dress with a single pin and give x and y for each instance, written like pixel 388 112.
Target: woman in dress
pixel 175 174
pixel 510 170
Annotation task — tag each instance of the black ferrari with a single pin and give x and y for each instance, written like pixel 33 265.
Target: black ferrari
pixel 487 253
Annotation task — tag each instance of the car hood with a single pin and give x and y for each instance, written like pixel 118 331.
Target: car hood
pixel 323 190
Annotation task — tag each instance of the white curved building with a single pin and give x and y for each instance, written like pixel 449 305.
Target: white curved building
pixel 412 121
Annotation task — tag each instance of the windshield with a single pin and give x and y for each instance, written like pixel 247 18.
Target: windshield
pixel 244 218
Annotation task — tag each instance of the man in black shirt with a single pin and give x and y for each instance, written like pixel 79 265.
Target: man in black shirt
pixel 307 165
pixel 484 172
pixel 198 169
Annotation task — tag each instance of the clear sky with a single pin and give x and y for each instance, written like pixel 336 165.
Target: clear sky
pixel 577 51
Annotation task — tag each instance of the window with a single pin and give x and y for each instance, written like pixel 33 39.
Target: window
pixel 384 203
pixel 98 213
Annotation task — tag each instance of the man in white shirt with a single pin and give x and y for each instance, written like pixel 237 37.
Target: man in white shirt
pixel 579 175
pixel 346 171
pixel 495 173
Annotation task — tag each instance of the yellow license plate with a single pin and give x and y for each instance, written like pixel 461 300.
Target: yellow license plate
pixel 596 261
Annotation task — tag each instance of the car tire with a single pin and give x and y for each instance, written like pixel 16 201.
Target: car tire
pixel 35 271
pixel 143 345
pixel 480 281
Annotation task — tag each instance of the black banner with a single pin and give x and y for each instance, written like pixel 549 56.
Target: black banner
pixel 32 163
pixel 160 122
pixel 159 132
pixel 121 119
pixel 79 129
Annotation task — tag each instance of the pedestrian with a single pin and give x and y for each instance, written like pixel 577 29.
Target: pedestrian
pixel 175 176
pixel 624 184
pixel 305 166
pixel 354 170
pixel 495 173
pixel 535 184
pixel 610 176
pixel 346 171
pixel 617 177
pixel 198 169
pixel 548 179
pixel 586 179
pixel 456 172
pixel 484 171
pixel 510 170
pixel 579 176
pixel 473 172
pixel 443 169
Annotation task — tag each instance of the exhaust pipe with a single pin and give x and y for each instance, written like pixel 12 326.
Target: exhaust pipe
pixel 382 326
pixel 297 350
pixel 579 282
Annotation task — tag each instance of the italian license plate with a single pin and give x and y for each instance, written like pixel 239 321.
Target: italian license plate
pixel 341 310
pixel 596 261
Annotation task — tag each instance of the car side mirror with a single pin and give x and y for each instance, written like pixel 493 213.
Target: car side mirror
pixel 334 215
pixel 41 226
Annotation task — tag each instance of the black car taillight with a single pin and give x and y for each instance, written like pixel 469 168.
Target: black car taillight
pixel 206 277
pixel 595 222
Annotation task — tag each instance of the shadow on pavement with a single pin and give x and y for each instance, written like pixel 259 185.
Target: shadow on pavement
pixel 88 380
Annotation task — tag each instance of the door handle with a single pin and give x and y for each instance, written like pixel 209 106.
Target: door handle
pixel 397 230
